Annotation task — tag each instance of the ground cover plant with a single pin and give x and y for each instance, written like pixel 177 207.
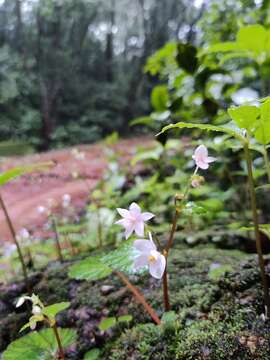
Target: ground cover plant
pixel 166 255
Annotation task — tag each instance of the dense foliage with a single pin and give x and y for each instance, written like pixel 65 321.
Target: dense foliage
pixel 75 67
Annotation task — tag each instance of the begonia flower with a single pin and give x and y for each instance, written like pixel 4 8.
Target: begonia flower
pixel 66 200
pixel 133 219
pixel 201 157
pixel 149 256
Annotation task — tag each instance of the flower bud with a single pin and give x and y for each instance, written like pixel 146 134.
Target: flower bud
pixel 197 180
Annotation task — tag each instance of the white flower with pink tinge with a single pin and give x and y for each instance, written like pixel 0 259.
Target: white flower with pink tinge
pixel 149 256
pixel 201 157
pixel 133 219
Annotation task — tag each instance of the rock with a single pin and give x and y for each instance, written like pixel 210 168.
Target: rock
pixel 106 289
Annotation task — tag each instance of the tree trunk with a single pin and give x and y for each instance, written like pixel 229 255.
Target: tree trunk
pixel 109 44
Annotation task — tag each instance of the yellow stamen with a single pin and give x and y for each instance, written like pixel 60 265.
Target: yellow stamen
pixel 151 258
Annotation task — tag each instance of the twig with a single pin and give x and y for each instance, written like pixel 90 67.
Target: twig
pixel 13 233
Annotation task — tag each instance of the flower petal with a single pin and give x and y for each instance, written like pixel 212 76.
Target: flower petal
pixel 135 208
pixel 139 228
pixel 211 159
pixel 147 216
pixel 157 267
pixel 123 212
pixel 201 151
pixel 129 230
pixel 144 246
pixel 202 164
pixel 20 301
pixel 140 262
pixel 122 222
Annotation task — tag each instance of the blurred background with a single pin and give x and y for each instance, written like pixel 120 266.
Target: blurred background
pixel 74 71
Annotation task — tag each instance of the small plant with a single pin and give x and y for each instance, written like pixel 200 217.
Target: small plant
pixel 46 315
pixel 249 122
pixel 109 322
pixel 48 212
pixel 133 221
pixel 25 239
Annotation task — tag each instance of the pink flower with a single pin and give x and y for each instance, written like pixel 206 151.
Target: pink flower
pixel 133 219
pixel 149 256
pixel 66 200
pixel 201 157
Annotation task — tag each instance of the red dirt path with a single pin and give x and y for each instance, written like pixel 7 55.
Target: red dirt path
pixel 23 195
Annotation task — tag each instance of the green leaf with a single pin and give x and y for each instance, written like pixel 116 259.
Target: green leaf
pixel 193 208
pixel 263 187
pixel 245 116
pixel 262 134
pixel 19 171
pixel 125 318
pixel 252 38
pixel 151 154
pixel 25 326
pixel 222 47
pixel 160 98
pixel 40 345
pixel 142 120
pixel 226 46
pixel 213 204
pixel 90 268
pixel 99 267
pixel 229 129
pixel 187 57
pixel 107 323
pixel 163 57
pixel 122 258
pixel 226 57
pixel 71 228
pixel 52 310
pixel 93 354
pixel 264 228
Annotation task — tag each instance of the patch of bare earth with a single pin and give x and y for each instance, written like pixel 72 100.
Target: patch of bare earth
pixel 23 195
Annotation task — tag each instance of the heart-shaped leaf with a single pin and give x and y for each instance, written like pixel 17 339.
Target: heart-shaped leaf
pixel 40 345
pixel 90 268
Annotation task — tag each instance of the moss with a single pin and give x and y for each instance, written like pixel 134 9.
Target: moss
pixel 142 342
pixel 10 326
pixel 217 317
pixel 53 286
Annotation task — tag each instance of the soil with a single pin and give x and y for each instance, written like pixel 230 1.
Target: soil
pixel 23 195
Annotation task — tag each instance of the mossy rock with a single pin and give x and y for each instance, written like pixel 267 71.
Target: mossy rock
pixel 218 317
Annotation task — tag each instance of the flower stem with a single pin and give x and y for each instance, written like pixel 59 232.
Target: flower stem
pixel 256 228
pixel 166 299
pixel 139 296
pixel 61 354
pixel 13 233
pixel 57 240
pixel 266 161
pixel 99 230
pixel 173 229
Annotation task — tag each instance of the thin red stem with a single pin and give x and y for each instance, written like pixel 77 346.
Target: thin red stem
pixel 139 296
